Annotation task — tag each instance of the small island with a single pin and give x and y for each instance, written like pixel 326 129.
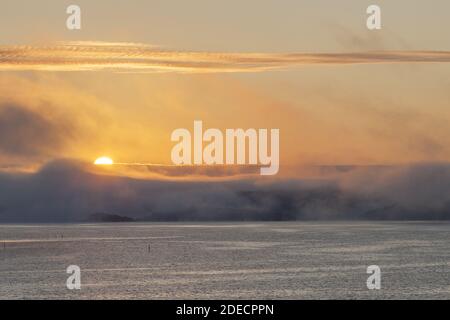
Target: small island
pixel 107 217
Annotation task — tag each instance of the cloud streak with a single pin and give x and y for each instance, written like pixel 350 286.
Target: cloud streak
pixel 130 57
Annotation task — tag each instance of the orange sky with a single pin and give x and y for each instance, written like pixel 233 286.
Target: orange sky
pixel 374 113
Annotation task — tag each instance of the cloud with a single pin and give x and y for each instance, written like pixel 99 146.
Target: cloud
pixel 192 170
pixel 67 191
pixel 129 57
pixel 24 132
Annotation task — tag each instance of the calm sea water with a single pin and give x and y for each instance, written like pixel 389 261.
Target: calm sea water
pixel 294 260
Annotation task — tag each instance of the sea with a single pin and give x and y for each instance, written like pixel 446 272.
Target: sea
pixel 270 260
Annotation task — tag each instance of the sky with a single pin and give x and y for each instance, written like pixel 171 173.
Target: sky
pixel 340 94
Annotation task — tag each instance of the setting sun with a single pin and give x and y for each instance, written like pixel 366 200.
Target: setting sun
pixel 103 161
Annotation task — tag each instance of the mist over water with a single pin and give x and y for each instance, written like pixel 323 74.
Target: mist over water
pixel 295 260
pixel 66 191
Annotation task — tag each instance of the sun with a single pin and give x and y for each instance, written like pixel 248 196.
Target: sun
pixel 103 161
